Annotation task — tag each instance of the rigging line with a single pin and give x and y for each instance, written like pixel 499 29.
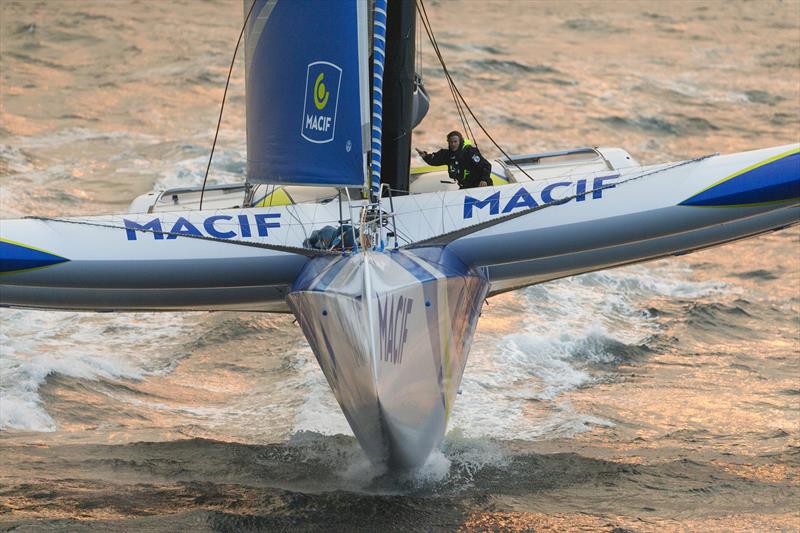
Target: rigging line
pixel 291 210
pixel 400 235
pixel 449 214
pixel 455 87
pixel 421 211
pixel 417 209
pixel 275 247
pixel 435 47
pixel 421 39
pixel 222 106
pixel 426 24
pixel 447 238
pixel 448 76
pixel 434 43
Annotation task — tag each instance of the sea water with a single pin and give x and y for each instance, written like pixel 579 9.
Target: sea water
pixel 651 397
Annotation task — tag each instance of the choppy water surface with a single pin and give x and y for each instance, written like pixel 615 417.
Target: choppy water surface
pixel 652 397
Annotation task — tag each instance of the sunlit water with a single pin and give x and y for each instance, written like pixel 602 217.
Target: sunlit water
pixel 651 397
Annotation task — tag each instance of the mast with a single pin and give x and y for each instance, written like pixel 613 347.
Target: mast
pixel 398 87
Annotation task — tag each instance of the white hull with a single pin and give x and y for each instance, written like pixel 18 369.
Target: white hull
pixel 101 265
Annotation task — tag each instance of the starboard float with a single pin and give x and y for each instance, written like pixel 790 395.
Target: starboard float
pixel 389 312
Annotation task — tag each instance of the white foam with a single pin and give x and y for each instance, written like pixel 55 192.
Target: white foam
pixel 227 166
pixel 662 278
pixel 36 344
pixel 514 388
pixel 472 454
pixel 319 410
pixel 17 162
pixel 435 469
pixel 518 398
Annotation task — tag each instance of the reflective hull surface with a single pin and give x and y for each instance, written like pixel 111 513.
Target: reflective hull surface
pixel 391 332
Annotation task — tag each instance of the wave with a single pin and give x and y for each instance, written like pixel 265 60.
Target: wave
pixel 318 410
pixel 658 16
pixel 26 59
pixel 758 274
pixel 230 328
pixel 783 119
pixel 682 93
pixel 519 123
pixel 73 116
pixel 510 67
pixel 763 97
pixel 471 47
pixel 213 78
pixel 65 136
pixel 14 160
pixel 719 317
pixel 592 25
pixel 578 332
pixel 680 125
pixel 37 344
pixel 63 37
pixel 660 279
pixel 81 15
pixel 229 166
pixel 560 363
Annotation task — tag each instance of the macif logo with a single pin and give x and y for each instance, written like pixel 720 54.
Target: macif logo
pixel 393 324
pixel 322 101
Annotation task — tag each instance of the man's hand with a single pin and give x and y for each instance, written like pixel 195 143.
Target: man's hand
pixel 422 153
pixel 483 183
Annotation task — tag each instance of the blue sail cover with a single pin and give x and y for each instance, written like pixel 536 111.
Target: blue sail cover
pixel 306 84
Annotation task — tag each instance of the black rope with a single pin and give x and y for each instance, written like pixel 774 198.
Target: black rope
pixel 222 106
pixel 451 85
pixel 432 38
pixel 455 89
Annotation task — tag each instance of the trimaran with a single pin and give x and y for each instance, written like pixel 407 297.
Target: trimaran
pixel 390 312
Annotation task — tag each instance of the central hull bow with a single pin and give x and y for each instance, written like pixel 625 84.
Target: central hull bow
pixel 391 332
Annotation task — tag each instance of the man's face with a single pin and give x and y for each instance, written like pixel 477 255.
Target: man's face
pixel 453 143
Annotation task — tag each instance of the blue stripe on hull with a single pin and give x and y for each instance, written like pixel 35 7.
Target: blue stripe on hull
pixel 15 257
pixel 412 267
pixel 774 181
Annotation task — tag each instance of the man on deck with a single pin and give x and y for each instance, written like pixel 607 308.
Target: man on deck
pixel 465 164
